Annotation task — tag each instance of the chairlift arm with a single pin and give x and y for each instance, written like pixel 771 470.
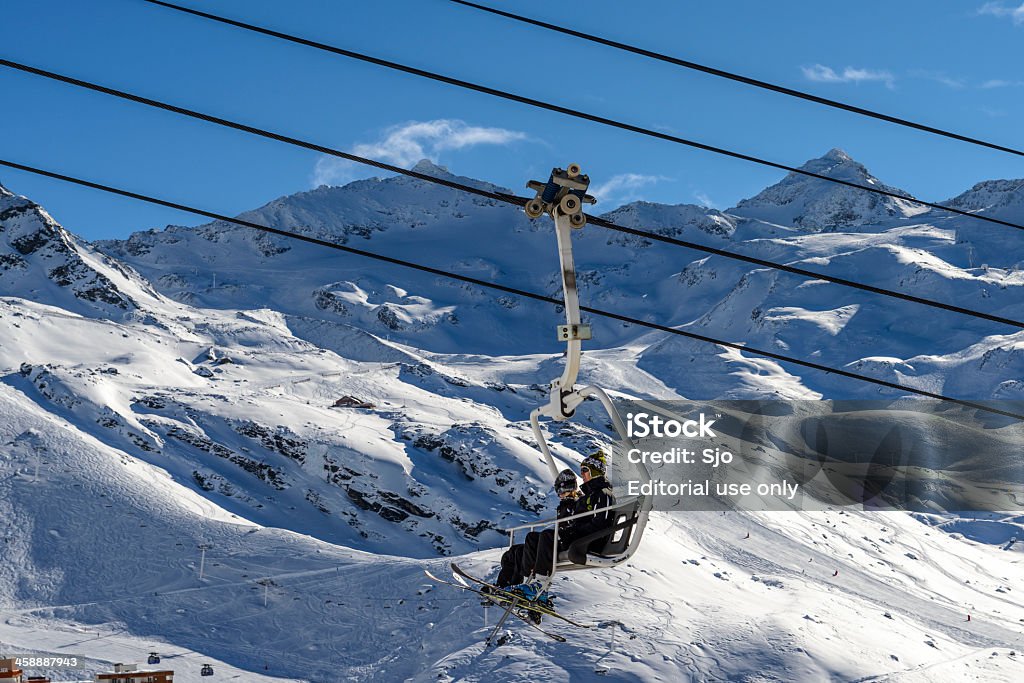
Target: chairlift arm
pixel 563 197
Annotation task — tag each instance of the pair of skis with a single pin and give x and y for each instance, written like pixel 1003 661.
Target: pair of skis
pixel 513 604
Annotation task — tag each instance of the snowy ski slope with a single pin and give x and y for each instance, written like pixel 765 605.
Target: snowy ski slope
pixel 145 411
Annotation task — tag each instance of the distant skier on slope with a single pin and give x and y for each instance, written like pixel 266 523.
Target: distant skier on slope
pixel 534 555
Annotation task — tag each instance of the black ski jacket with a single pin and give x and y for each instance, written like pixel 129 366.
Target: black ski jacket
pixel 567 508
pixel 597 494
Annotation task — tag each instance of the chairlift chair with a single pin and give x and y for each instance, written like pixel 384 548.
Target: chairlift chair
pixel 563 197
pixel 207 670
pixel 154 658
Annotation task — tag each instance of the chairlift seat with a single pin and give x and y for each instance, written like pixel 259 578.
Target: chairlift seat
pixel 580 555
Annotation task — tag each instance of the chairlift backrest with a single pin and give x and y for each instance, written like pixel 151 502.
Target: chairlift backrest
pixel 621 539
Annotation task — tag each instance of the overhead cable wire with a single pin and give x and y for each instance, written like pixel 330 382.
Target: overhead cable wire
pixel 739 78
pixel 502 196
pixel 384 166
pixel 352 54
pixel 807 273
pixel 503 288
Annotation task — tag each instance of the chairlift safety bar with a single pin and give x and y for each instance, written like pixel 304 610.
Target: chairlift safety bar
pixel 588 513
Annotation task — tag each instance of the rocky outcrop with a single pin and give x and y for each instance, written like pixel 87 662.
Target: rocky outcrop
pixel 39 260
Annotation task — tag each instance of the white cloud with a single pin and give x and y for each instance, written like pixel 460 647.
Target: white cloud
pixel 624 188
pixel 405 144
pixel 703 199
pixel 1000 83
pixel 939 77
pixel 823 74
pixel 998 9
pixel 955 83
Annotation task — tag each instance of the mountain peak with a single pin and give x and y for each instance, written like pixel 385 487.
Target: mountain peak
pixel 41 261
pixel 838 164
pixel 1003 197
pixel 837 155
pixel 428 167
pixel 671 220
pixel 820 206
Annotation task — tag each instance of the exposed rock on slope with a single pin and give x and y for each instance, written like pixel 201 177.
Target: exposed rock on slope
pixel 41 261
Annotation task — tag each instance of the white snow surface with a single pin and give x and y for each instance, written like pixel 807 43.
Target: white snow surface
pixel 145 410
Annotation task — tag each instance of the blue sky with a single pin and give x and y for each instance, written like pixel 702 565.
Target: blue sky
pixel 952 64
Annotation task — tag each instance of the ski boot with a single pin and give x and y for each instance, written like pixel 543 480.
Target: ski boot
pixel 499 595
pixel 533 592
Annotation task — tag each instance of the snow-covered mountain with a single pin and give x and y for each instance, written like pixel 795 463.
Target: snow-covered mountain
pixel 41 261
pixel 797 221
pixel 991 245
pixel 686 221
pixel 332 426
pixel 997 198
pixel 816 205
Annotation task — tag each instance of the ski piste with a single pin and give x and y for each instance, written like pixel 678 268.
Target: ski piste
pixel 497 601
pixel 506 595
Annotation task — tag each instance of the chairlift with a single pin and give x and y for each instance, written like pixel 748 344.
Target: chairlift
pixel 207 670
pixel 154 658
pixel 563 197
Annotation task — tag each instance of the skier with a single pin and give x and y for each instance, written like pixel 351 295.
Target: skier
pixel 597 494
pixel 534 555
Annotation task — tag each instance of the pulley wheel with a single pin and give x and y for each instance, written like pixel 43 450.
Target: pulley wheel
pixel 570 204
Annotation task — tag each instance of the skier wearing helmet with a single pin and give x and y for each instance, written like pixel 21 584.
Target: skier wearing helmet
pixel 596 494
pixel 533 555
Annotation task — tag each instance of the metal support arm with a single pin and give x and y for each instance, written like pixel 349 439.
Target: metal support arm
pixel 563 197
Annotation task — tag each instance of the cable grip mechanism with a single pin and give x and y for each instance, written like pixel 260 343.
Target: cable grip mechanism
pixel 564 194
